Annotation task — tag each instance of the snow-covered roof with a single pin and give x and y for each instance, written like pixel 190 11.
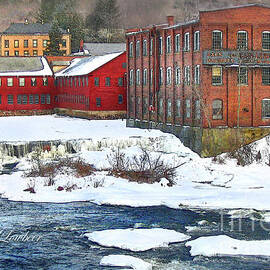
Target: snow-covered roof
pixel 83 66
pixel 24 66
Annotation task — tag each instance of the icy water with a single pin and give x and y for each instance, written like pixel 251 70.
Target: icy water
pixel 62 245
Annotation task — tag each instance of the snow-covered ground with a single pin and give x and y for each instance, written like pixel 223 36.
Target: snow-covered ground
pixel 136 239
pixel 125 261
pixel 200 183
pixel 222 245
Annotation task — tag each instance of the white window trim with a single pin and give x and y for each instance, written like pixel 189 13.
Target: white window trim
pixel 186 42
pixel 169 76
pixel 168 44
pixel 221 75
pixel 177 78
pixel 138 76
pixel 145 76
pixel 131 77
pixel 243 31
pixel 161 80
pixel 197 44
pixel 160 45
pixel 145 46
pixel 177 50
pixel 219 31
pixel 197 78
pixel 131 53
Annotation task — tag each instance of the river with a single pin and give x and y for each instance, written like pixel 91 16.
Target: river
pixel 60 228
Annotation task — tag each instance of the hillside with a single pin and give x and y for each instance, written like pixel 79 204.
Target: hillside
pixel 134 13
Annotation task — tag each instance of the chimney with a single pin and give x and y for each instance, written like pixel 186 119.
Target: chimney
pixel 26 21
pixel 170 20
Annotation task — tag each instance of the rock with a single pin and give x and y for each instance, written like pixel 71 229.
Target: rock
pixel 60 188
pixel 31 190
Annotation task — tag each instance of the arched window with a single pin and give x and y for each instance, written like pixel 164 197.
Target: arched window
pixel 197 41
pixel 216 40
pixel 138 48
pixel 169 107
pixel 169 76
pixel 131 77
pixel 145 76
pixel 161 76
pixel 138 77
pixel 168 44
pixel 217 109
pixel 242 40
pixel 177 76
pixel 266 40
pixel 145 47
pixel 131 49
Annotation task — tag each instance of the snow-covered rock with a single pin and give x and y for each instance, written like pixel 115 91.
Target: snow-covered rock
pixel 136 239
pixel 225 245
pixel 125 261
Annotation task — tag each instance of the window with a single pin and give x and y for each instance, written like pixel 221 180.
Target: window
pixel 36 99
pixel 45 81
pixel 35 52
pixel 120 99
pixel 33 82
pixel 131 49
pixel 187 75
pixel 64 43
pixel 188 108
pixel 10 99
pixel 137 105
pixel 145 47
pixel 87 82
pixel 19 99
pixel 169 76
pixel 145 76
pixel 42 99
pixel 178 108
pixel 0 99
pixel 169 108
pixel 25 43
pixel 197 75
pixel 242 40
pixel 131 77
pixel 160 76
pixel 138 48
pixel 24 99
pixel 177 43
pixel 107 81
pixel 0 82
pixel 197 109
pixel 160 107
pixel 124 65
pixel 168 44
pixel 6 53
pixel 197 41
pixel 120 82
pixel 9 81
pixel 266 40
pixel 266 76
pixel 26 53
pixel 16 53
pixel 217 109
pixel 177 76
pixel 45 43
pixel 216 40
pixel 145 105
pixel 151 77
pixel 21 82
pixel 35 43
pixel 48 99
pixel 216 75
pixel 151 47
pixel 243 75
pixel 266 108
pixel 96 79
pixel 6 43
pixel 160 47
pixel 186 42
pixel 98 102
pixel 16 43
pixel 138 77
pixel 31 99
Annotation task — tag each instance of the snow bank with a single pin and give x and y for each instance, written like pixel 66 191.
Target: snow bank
pixel 225 245
pixel 136 239
pixel 125 261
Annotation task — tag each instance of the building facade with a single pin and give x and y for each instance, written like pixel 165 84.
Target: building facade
pixel 30 39
pixel 203 79
pixel 26 86
pixel 93 87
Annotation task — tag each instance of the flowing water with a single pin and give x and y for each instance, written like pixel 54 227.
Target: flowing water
pixel 60 228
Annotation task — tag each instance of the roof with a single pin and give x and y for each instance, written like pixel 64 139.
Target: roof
pixel 104 48
pixel 30 28
pixel 24 66
pixel 234 7
pixel 84 66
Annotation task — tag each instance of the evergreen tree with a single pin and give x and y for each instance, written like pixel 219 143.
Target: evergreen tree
pixel 53 47
pixel 46 11
pixel 105 15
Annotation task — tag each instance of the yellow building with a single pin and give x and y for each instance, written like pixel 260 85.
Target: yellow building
pixel 30 39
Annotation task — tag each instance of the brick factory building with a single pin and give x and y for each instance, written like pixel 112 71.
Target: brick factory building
pixel 93 87
pixel 207 81
pixel 26 86
pixel 30 39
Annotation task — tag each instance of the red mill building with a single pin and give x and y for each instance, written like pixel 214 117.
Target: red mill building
pixel 207 81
